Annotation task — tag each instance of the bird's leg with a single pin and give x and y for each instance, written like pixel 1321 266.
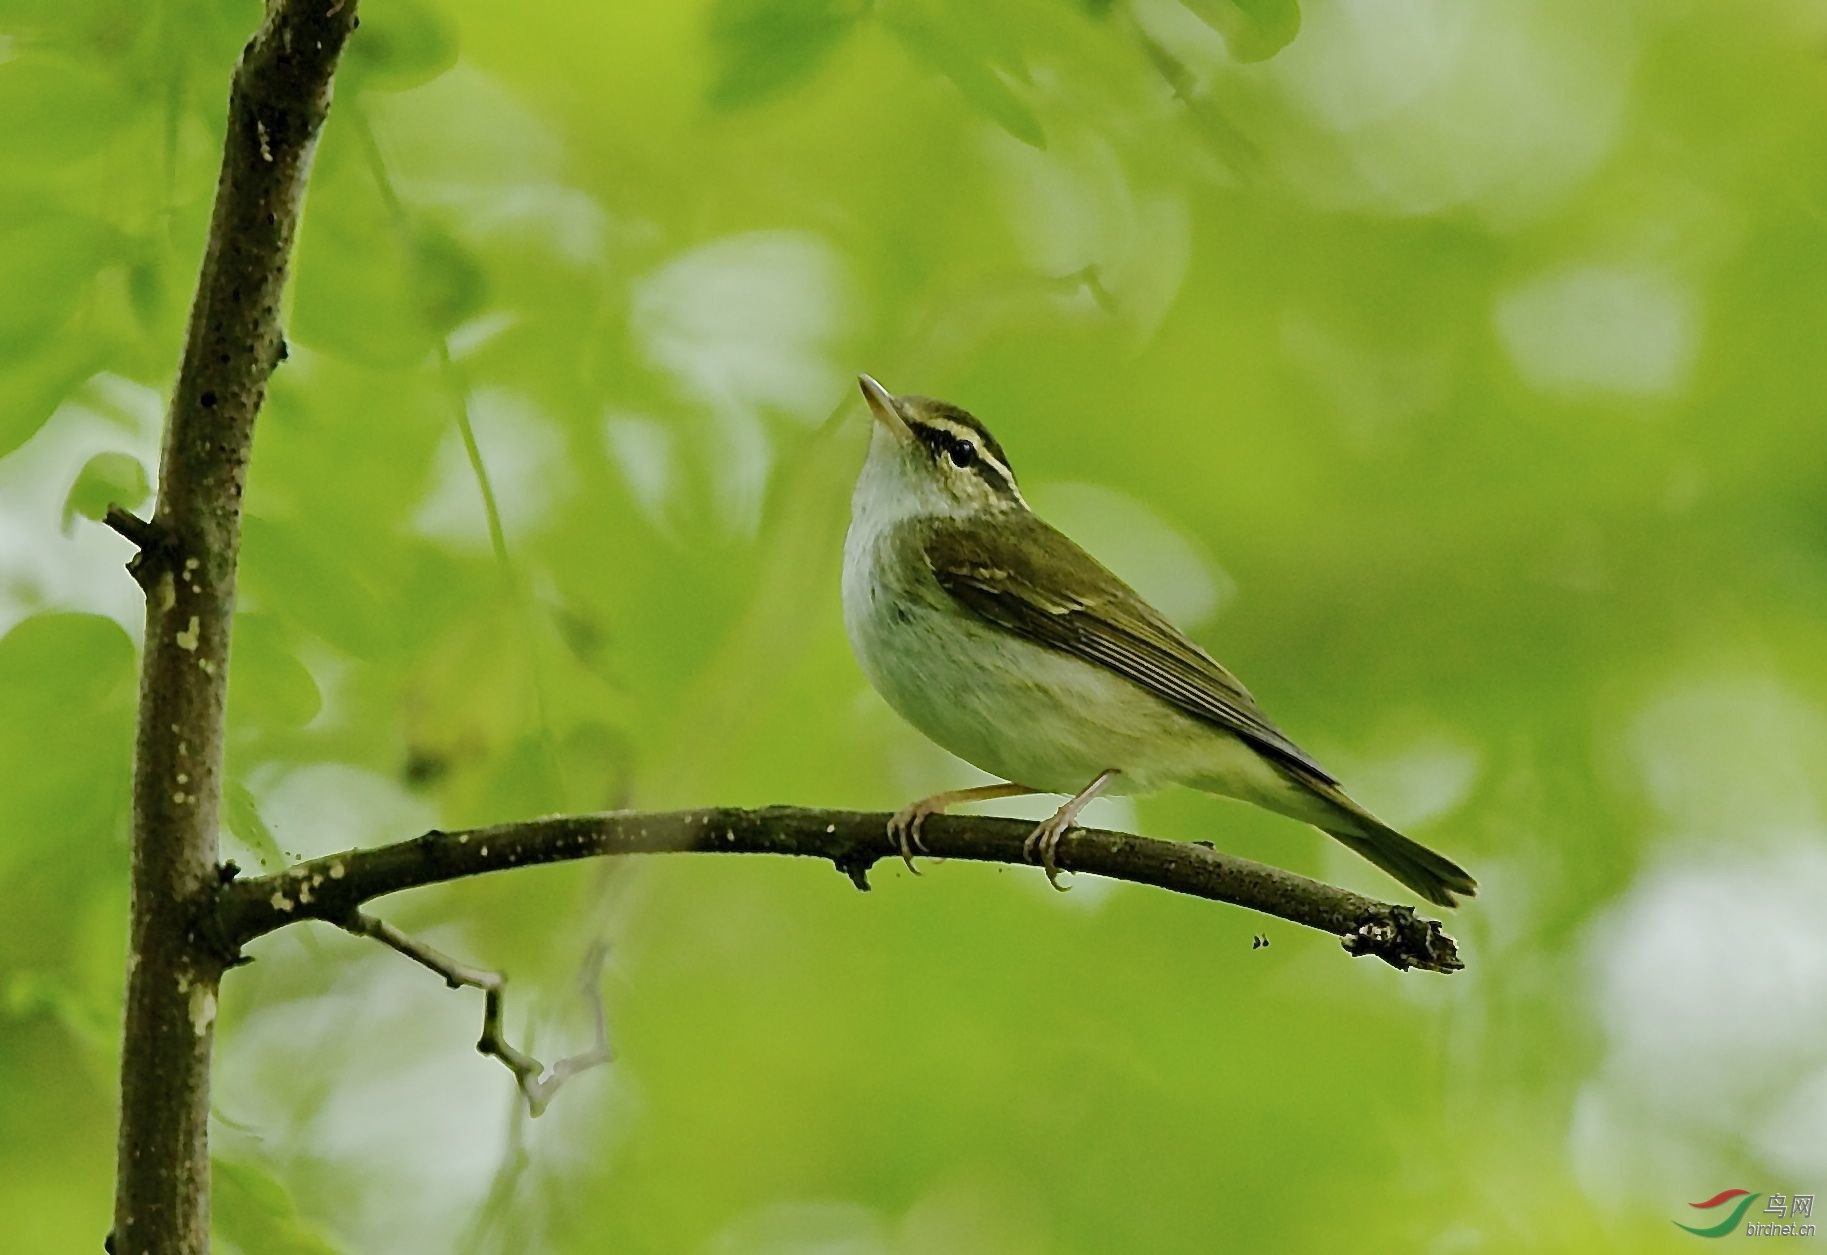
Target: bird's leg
pixel 904 828
pixel 1043 843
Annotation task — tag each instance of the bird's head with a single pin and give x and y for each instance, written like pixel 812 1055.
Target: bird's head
pixel 928 457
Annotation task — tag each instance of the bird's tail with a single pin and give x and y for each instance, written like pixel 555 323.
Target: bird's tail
pixel 1433 876
pixel 1318 799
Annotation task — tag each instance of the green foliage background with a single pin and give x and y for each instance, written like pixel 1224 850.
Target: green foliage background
pixel 1451 370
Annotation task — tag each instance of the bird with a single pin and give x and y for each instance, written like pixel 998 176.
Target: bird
pixel 1011 647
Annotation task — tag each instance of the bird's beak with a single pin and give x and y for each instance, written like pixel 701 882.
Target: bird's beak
pixel 883 405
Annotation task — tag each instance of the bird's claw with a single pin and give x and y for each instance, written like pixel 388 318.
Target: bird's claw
pixel 1042 846
pixel 904 833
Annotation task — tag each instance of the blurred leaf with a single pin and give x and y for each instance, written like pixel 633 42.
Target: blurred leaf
pixel 363 296
pixel 360 280
pixel 94 29
pixel 106 479
pixel 50 259
pixel 315 583
pixel 1228 142
pixel 252 1210
pixel 60 110
pixel 402 44
pixel 147 292
pixel 90 1023
pixel 763 47
pixel 157 297
pixel 31 388
pixel 446 280
pixel 935 41
pixel 55 661
pixel 1253 30
pixel 242 813
pixel 268 686
pixel 65 741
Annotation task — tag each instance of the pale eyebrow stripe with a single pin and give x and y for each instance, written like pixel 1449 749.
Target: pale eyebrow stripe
pixel 985 459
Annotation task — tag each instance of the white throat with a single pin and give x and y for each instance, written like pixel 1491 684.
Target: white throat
pixel 893 489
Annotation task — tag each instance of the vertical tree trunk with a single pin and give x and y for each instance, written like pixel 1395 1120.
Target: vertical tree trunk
pixel 186 565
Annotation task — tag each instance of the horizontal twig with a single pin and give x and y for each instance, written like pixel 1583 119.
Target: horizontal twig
pixel 334 887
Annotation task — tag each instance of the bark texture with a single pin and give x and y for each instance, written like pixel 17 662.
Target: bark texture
pixel 186 565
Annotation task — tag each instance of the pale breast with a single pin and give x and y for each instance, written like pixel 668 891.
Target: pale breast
pixel 1017 710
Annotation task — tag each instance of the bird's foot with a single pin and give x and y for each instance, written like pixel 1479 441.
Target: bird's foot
pixel 904 827
pixel 1042 845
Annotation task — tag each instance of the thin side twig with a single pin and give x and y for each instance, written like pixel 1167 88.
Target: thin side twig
pixel 536 1081
pixel 136 529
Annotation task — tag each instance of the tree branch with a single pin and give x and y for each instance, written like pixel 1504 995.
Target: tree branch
pixel 334 888
pixel 145 536
pixel 186 563
pixel 536 1081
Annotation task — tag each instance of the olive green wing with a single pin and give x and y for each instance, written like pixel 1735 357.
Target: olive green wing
pixel 1030 579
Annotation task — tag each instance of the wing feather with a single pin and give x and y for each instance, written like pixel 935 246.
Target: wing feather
pixel 1030 579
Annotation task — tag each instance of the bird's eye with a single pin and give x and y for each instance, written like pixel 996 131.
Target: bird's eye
pixel 963 453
